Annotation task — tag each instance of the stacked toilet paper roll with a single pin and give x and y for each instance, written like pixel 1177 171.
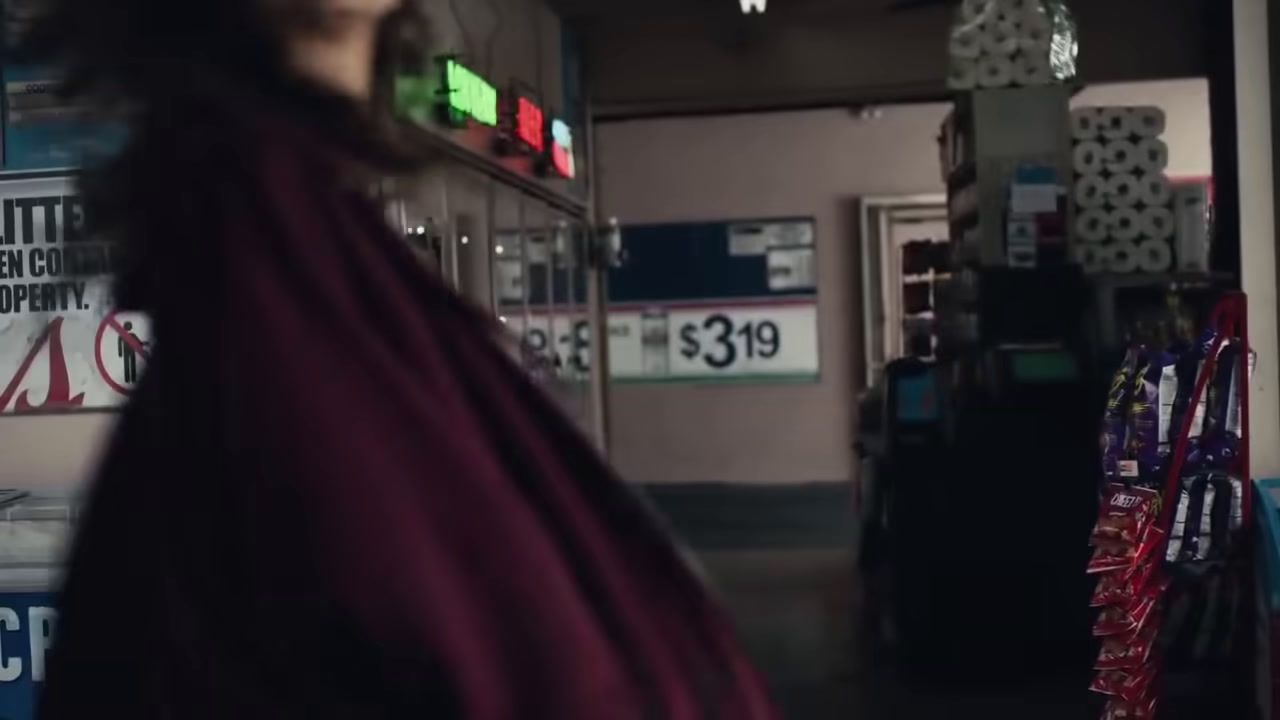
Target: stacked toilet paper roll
pixel 1124 220
pixel 1001 43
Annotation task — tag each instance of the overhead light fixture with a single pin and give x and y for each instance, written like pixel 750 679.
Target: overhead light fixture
pixel 753 6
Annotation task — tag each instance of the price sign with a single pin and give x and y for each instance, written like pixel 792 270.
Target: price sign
pixel 770 340
pixel 706 343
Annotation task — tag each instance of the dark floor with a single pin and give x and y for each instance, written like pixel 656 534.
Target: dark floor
pixel 783 563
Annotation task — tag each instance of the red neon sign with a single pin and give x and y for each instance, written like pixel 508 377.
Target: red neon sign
pixel 530 126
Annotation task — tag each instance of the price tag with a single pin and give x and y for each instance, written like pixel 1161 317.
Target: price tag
pixel 756 341
pixel 708 343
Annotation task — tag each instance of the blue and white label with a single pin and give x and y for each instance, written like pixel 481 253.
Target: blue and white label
pixel 27 624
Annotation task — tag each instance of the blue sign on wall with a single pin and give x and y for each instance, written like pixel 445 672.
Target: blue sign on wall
pixel 27 622
pixel 43 130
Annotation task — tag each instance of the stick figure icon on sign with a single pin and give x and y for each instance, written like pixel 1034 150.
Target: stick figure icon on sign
pixel 123 348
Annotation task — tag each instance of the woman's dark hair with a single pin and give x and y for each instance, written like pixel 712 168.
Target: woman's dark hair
pixel 159 65
pixel 132 57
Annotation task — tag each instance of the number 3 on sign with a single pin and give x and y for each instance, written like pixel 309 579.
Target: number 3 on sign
pixel 722 343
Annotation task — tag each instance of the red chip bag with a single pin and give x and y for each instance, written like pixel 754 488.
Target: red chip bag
pixel 1115 556
pixel 1127 652
pixel 1138 686
pixel 1120 588
pixel 1125 514
pixel 1109 682
pixel 1130 686
pixel 1128 619
pixel 1118 709
pixel 1109 558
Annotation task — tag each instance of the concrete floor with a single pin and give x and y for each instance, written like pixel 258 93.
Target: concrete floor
pixel 783 563
pixel 797 613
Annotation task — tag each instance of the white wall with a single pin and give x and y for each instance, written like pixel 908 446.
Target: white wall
pixel 812 163
pixel 1256 132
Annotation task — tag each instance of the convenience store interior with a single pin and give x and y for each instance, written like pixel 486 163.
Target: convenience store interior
pixel 812 131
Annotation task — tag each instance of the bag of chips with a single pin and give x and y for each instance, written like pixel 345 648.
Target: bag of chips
pixel 1130 686
pixel 1120 588
pixel 1125 514
pixel 1128 619
pixel 1118 709
pixel 1127 652
pixel 1115 419
pixel 1111 557
pixel 1143 443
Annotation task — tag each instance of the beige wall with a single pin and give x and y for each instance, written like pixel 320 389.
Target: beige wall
pixel 811 163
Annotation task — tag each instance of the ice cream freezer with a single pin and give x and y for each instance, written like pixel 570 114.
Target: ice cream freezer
pixel 34 532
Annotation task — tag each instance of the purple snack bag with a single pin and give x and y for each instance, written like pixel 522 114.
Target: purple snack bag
pixel 1115 417
pixel 1143 437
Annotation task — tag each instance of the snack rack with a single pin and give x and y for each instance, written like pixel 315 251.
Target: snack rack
pixel 1165 586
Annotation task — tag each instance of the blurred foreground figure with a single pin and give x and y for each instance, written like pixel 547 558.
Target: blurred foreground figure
pixel 333 495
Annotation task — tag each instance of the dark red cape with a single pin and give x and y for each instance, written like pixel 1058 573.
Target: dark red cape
pixel 334 495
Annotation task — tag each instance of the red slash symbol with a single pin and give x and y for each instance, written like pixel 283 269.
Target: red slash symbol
pixel 131 349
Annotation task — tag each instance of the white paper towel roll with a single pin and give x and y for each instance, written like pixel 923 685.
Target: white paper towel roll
pixel 972 11
pixel 1091 191
pixel 962 75
pixel 995 71
pixel 1035 32
pixel 1152 155
pixel 1121 156
pixel 1157 223
pixel 1124 224
pixel 1148 122
pixel 1089 157
pixel 1032 70
pixel 1092 225
pixel 966 44
pixel 1093 258
pixel 999 38
pixel 1084 123
pixel 1016 7
pixel 1123 190
pixel 1155 256
pixel 1114 123
pixel 1154 190
pixel 1122 257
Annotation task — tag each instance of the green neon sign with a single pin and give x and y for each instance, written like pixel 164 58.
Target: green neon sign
pixel 467 95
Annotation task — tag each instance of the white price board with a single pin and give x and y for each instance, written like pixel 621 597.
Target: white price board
pixel 708 342
pixel 780 340
pixel 62 347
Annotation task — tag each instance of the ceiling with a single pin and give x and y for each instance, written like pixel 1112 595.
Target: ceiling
pixel 662 57
pixel 586 10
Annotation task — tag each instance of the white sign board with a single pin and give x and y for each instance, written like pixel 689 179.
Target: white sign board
pixel 61 345
pixel 712 342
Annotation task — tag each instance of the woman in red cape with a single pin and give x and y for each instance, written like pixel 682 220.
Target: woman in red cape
pixel 333 495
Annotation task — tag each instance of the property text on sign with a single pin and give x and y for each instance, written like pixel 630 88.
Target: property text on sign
pixel 54 294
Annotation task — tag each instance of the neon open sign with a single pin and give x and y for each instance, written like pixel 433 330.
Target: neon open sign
pixel 467 95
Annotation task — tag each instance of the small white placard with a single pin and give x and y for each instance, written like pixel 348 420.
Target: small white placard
pixel 791 268
pixel 749 239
